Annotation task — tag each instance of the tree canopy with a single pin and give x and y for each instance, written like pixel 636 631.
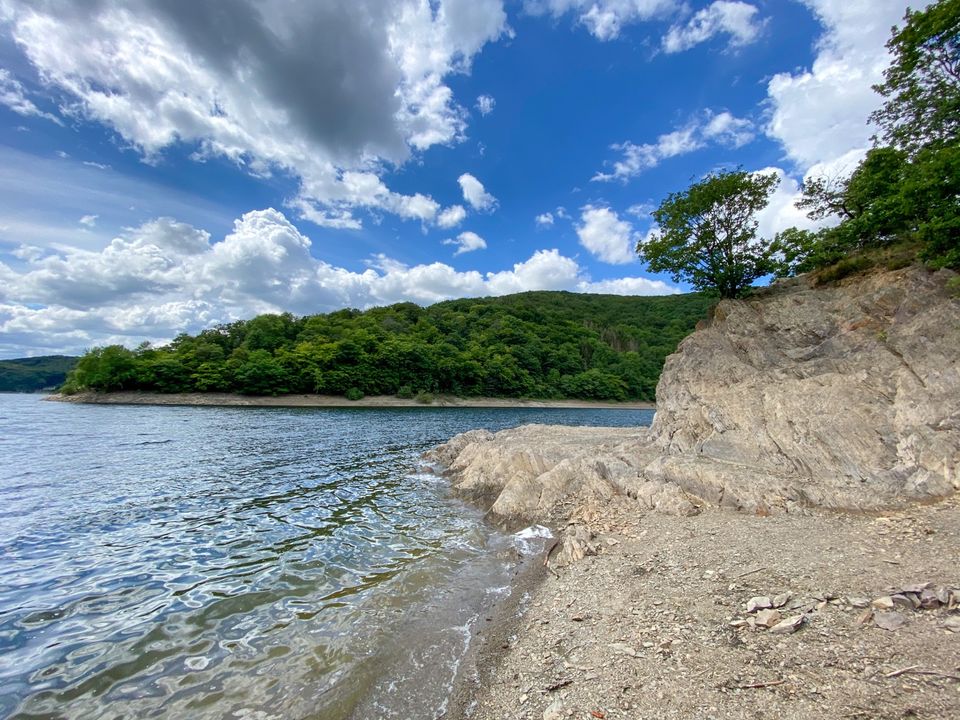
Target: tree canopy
pixel 538 344
pixel 707 234
pixel 922 84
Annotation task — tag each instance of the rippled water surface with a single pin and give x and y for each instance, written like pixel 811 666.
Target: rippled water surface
pixel 238 562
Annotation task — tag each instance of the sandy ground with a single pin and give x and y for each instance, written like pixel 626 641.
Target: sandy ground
pixel 655 624
pixel 226 399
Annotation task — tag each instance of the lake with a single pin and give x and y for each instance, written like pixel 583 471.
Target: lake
pixel 255 563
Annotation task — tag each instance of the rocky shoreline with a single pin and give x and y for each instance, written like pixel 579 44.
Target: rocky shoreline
pixel 782 542
pixel 330 401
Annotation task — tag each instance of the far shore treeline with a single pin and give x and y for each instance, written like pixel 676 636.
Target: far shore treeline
pixel 535 344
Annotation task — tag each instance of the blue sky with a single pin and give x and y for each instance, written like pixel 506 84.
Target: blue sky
pixel 166 166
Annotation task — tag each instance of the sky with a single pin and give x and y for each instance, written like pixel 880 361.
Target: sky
pixel 168 166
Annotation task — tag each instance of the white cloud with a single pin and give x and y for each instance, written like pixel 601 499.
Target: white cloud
pixel 604 19
pixel 544 219
pixel 606 236
pixel 89 221
pixel 628 286
pixel 451 216
pixel 14 96
pixel 475 194
pixel 467 242
pixel 98 166
pixel 323 91
pixel 720 128
pixel 820 114
pixel 485 104
pixel 728 17
pixel 167 277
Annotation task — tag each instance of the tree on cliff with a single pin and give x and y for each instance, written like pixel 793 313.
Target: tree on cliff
pixel 922 84
pixel 707 234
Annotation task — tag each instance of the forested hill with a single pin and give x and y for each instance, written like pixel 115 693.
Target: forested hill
pixel 36 373
pixel 535 344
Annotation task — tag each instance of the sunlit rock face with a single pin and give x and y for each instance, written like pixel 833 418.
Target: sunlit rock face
pixel 844 397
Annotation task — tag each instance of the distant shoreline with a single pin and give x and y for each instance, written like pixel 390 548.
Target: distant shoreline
pixel 333 401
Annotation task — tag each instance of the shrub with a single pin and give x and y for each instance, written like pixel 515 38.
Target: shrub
pixel 354 394
pixel 405 393
pixel 424 398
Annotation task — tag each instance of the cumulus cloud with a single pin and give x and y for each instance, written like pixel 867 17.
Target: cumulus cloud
pixel 718 128
pixel 475 194
pixel 325 91
pixel 820 113
pixel 736 19
pixel 89 220
pixel 452 216
pixel 467 242
pixel 14 96
pixel 606 236
pixel 485 104
pixel 166 277
pixel 544 219
pixel 604 19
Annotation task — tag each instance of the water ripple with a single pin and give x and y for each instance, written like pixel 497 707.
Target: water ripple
pixel 202 562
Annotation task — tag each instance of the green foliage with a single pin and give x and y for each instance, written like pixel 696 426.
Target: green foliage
pixel 539 344
pixel 889 199
pixel 424 398
pixel 922 84
pixel 354 394
pixel 36 373
pixel 707 233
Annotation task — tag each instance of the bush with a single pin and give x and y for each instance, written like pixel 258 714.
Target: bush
pixel 405 393
pixel 424 398
pixel 354 394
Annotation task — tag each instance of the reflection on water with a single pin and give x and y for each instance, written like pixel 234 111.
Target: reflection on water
pixel 261 563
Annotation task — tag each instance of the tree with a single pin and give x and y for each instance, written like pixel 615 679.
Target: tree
pixel 922 84
pixel 708 234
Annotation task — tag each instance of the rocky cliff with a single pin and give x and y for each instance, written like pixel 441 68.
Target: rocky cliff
pixel 844 397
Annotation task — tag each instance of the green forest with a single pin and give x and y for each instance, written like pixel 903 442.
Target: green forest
pixel 34 374
pixel 535 344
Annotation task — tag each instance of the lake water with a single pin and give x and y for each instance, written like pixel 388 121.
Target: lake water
pixel 240 562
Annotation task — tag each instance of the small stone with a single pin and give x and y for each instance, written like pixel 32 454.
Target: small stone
pixel 915 588
pixel 952 623
pixel 943 595
pixel 768 618
pixel 929 599
pixel 623 649
pixel 789 625
pixel 555 711
pixel 780 600
pixel 890 620
pixel 760 602
pixel 883 603
pixel 523 698
pixel 858 601
pixel 902 602
pixel 865 617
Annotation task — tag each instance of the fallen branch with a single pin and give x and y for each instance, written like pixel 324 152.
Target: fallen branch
pixel 557 686
pixel 748 572
pixel 917 670
pixel 753 686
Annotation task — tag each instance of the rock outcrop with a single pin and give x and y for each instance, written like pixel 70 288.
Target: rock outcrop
pixel 844 397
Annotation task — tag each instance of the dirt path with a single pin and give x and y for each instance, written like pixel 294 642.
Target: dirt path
pixel 655 624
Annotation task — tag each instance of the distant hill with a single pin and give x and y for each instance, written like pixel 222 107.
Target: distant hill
pixel 36 373
pixel 535 344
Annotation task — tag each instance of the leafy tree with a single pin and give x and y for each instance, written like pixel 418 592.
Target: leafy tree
pixel 708 235
pixel 922 84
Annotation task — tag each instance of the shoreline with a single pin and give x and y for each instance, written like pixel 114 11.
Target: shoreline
pixel 333 401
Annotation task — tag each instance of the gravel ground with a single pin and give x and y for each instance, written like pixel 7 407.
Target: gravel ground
pixel 654 625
